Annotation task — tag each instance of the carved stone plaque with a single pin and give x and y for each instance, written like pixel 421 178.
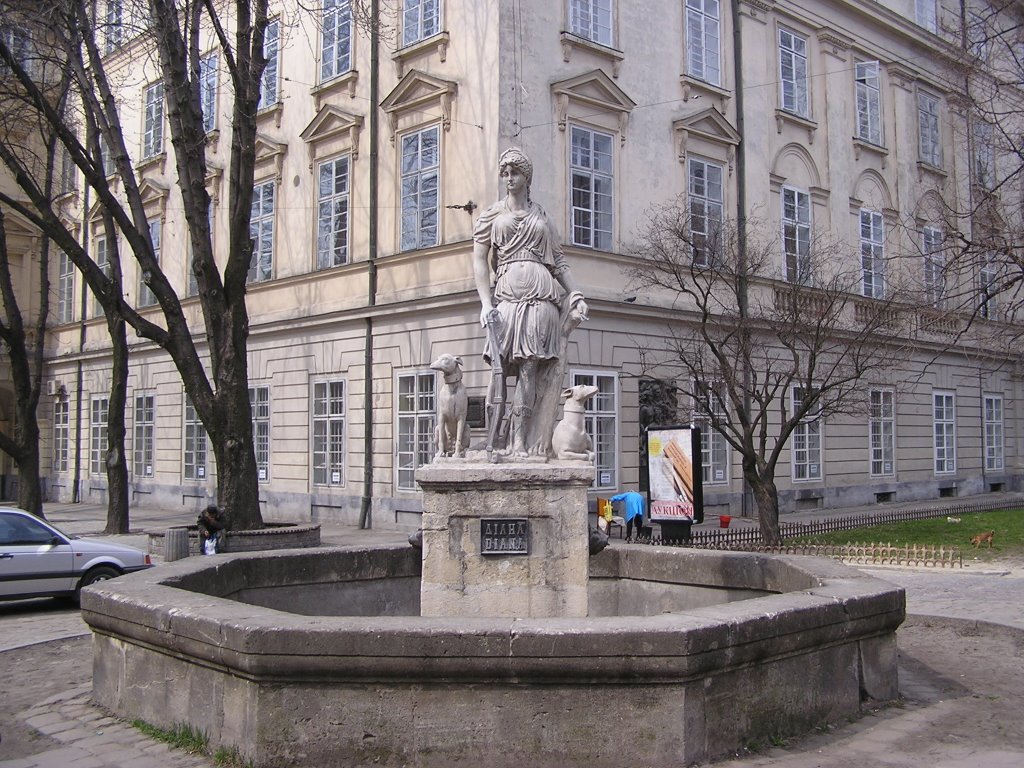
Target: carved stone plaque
pixel 504 536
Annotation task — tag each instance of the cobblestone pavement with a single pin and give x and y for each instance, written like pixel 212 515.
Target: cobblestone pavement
pixel 961 677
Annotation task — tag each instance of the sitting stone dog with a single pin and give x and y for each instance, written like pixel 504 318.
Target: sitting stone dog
pixel 570 439
pixel 451 432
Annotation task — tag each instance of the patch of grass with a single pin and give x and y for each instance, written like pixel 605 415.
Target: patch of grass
pixel 230 758
pixel 181 736
pixel 939 531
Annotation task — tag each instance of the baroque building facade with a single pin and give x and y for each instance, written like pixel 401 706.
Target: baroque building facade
pixel 838 114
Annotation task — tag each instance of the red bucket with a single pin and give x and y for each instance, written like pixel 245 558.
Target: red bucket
pixel 724 520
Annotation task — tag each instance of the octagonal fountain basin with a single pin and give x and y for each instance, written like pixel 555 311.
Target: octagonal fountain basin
pixel 319 658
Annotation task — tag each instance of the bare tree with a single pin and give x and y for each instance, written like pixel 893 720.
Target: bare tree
pixel 760 359
pixel 72 38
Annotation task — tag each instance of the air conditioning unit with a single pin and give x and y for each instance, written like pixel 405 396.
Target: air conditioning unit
pixel 52 387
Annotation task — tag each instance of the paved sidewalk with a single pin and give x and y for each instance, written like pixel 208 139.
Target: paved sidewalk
pixel 76 734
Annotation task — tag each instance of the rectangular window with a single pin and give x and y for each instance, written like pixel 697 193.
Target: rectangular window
pixel 591 20
pixel 195 444
pixel 146 296
pixel 600 419
pixel 65 289
pixel 98 436
pixel 929 142
pixel 68 172
pixel 106 158
pixel 261 230
pixel 706 206
pixel 113 26
pixel 336 45
pixel 259 404
pixel 272 53
pixel 994 433
pixel 793 73
pixel 208 91
pixel 145 424
pixel 713 446
pixel 882 433
pixel 988 289
pixel 984 156
pixel 806 442
pixel 703 54
pixel 332 214
pixel 420 19
pixel 416 420
pixel 329 433
pixel 421 164
pixel 934 266
pixel 592 169
pixel 153 121
pixel 102 259
pixel 925 16
pixel 61 434
pixel 869 102
pixel 872 254
pixel 796 234
pixel 19 43
pixel 944 423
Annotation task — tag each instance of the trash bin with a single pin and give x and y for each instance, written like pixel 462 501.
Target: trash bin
pixel 175 544
pixel 724 520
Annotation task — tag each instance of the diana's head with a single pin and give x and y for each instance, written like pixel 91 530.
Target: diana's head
pixel 518 160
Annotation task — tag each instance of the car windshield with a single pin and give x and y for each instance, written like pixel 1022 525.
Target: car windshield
pixel 17 530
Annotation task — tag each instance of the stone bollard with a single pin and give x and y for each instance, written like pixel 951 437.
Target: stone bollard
pixel 175 544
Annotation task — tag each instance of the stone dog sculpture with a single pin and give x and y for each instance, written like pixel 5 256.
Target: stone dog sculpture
pixel 570 439
pixel 451 432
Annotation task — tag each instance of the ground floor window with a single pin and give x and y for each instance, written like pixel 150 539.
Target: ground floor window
pixel 882 432
pixel 98 436
pixel 944 424
pixel 806 443
pixel 145 423
pixel 195 444
pixel 994 432
pixel 601 422
pixel 61 435
pixel 416 419
pixel 329 433
pixel 259 404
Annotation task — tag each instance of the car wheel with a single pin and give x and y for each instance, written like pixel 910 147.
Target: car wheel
pixel 99 573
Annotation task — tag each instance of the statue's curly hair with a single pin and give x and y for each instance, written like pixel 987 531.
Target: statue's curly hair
pixel 517 159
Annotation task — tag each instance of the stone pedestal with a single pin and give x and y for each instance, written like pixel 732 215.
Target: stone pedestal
pixel 470 508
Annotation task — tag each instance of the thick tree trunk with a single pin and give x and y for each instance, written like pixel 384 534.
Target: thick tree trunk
pixel 116 460
pixel 237 477
pixel 30 489
pixel 766 496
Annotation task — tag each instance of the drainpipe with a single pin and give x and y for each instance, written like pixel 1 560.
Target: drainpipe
pixel 741 214
pixel 366 502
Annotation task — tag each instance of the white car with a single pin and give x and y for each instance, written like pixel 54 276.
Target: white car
pixel 38 560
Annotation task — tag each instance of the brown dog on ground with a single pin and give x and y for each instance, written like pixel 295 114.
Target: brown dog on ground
pixel 981 538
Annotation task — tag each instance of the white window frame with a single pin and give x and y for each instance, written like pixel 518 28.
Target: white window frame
pixel 591 187
pixel 261 229
pixel 706 204
pixel 208 71
pixel 421 19
pixel 872 253
pixel 144 429
pixel 329 415
pixel 61 434
pixel 99 408
pixel 807 443
pixel 988 300
pixel 259 406
pixel 944 431
pixel 796 235
pixel 146 296
pixel 601 422
pixel 928 131
pixel 984 158
pixel 933 265
pixel 868 101
pixel 113 26
pixel 794 82
pixel 332 229
pixel 416 415
pixel 593 20
pixel 65 288
pixel 102 259
pixel 153 120
pixel 882 433
pixel 420 188
pixel 196 446
pixel 992 405
pixel 335 39
pixel 714 448
pixel 68 172
pixel 703 40
pixel 926 16
pixel 269 85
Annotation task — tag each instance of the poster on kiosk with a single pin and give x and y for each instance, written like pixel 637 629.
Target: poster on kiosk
pixel 674 479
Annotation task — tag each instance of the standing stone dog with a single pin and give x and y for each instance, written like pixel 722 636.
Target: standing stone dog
pixel 451 432
pixel 570 439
